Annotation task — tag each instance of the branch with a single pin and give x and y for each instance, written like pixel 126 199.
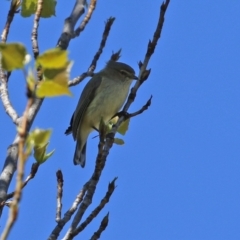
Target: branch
pixel 3 77
pixel 12 154
pixel 130 115
pixel 11 112
pixel 69 24
pixel 87 18
pixel 32 174
pixel 35 47
pixel 13 9
pixel 67 216
pixel 21 163
pixel 93 64
pixel 59 194
pixel 102 227
pixel 95 212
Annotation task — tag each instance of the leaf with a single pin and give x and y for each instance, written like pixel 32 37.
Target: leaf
pixel 40 153
pixel 38 137
pixel 29 7
pixel 52 89
pixel 12 56
pixel 53 58
pixel 124 127
pixel 48 8
pixel 118 141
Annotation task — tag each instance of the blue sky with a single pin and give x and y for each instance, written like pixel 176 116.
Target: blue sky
pixel 178 172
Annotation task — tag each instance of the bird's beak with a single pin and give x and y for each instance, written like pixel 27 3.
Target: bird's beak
pixel 135 77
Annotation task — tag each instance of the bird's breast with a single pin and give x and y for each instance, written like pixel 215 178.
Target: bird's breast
pixel 108 100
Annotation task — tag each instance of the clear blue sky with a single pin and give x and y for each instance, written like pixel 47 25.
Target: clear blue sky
pixel 178 172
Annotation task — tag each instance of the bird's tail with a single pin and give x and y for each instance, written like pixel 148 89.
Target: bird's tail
pixel 80 154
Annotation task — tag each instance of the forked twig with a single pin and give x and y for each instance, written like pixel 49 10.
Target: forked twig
pixel 93 64
pixel 95 212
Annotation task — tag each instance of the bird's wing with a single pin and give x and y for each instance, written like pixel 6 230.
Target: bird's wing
pixel 84 101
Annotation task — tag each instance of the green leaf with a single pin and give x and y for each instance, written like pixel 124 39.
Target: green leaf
pixel 40 153
pixel 38 137
pixel 38 140
pixel 48 8
pixel 52 89
pixel 53 59
pixel 124 127
pixel 29 7
pixel 56 82
pixel 48 155
pixel 12 56
pixel 118 141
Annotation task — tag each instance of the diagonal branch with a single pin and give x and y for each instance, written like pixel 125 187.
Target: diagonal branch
pixel 87 18
pixel 32 174
pixel 21 163
pixel 13 9
pixel 69 24
pixel 67 216
pixel 102 227
pixel 92 183
pixel 95 212
pixel 93 64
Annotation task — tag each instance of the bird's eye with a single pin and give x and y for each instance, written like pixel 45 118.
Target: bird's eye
pixel 123 73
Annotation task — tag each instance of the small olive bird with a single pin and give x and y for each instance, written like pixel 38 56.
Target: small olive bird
pixel 102 97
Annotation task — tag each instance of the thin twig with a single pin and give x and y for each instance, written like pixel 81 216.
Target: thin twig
pixel 67 216
pixel 95 212
pixel 87 18
pixel 35 46
pixel 99 166
pixel 102 227
pixel 93 64
pixel 20 172
pixel 140 111
pixel 13 9
pixel 59 194
pixel 32 174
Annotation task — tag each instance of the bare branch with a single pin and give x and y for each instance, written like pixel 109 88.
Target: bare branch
pixel 102 227
pixel 59 194
pixel 67 216
pixel 5 98
pixel 130 115
pixel 95 212
pixel 106 31
pixel 3 77
pixel 35 47
pixel 21 163
pixel 32 174
pixel 99 166
pixel 93 64
pixel 87 17
pixel 69 24
pixel 13 9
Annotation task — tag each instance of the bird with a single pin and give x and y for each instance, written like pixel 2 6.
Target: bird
pixel 102 97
